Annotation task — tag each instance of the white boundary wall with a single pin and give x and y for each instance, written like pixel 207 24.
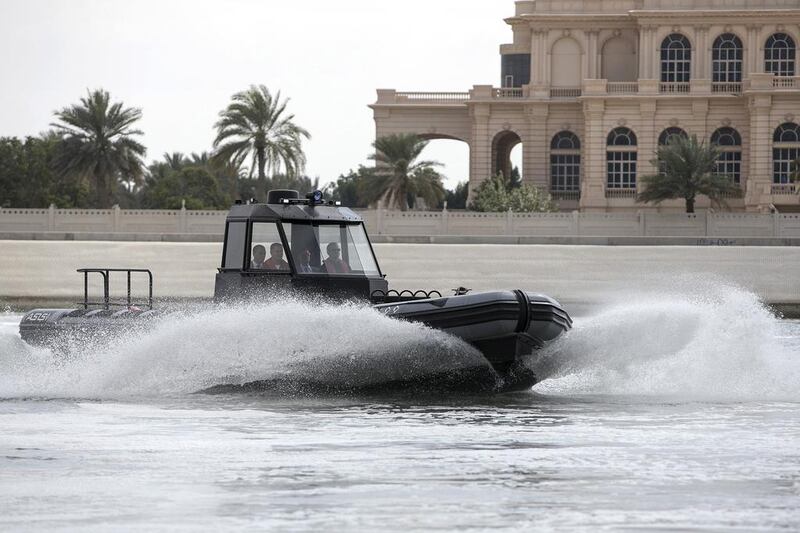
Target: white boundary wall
pixel 421 223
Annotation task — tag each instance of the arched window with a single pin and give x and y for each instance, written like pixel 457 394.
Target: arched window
pixel 676 59
pixel 779 55
pixel 727 59
pixel 668 134
pixel 565 163
pixel 785 150
pixel 729 142
pixel 621 159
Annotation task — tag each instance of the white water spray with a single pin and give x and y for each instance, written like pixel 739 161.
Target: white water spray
pixel 344 345
pixel 705 341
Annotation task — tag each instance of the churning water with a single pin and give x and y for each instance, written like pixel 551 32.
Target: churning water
pixel 668 411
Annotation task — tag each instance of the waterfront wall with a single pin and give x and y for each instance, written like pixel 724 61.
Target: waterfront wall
pixel 125 224
pixel 580 276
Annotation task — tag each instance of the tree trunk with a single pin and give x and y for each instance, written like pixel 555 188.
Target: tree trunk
pixel 261 193
pixel 102 192
pixel 690 205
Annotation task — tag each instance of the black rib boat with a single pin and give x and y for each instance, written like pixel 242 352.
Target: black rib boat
pixel 307 247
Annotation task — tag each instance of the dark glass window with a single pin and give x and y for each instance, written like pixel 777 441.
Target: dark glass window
pixel 668 134
pixel 676 59
pixel 785 151
pixel 621 159
pixel 565 162
pixel 235 244
pixel 516 70
pixel 779 55
pixel 729 163
pixel 727 59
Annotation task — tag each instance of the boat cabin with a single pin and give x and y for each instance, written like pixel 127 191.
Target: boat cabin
pixel 292 244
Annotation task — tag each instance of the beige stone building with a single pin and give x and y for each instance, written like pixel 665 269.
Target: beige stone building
pixel 590 88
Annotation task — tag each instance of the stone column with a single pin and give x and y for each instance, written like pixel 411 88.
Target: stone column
pixel 534 149
pixel 480 167
pixel 647 52
pixel 646 136
pixel 753 61
pixel 700 70
pixel 537 56
pixel 759 178
pixel 593 196
pixel 591 55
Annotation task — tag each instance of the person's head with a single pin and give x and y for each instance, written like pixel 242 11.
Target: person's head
pixel 333 250
pixel 259 253
pixel 305 256
pixel 276 251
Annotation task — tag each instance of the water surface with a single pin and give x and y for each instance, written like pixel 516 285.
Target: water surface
pixel 671 412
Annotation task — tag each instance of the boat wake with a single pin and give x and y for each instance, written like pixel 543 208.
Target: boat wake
pixel 336 346
pixel 709 341
pixel 712 341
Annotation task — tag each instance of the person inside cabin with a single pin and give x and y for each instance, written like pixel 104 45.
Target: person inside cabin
pixel 304 264
pixel 259 255
pixel 334 263
pixel 276 261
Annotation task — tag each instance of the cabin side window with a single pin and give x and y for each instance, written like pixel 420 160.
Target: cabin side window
pixel 266 248
pixel 236 236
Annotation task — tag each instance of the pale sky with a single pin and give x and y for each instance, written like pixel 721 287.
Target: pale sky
pixel 181 60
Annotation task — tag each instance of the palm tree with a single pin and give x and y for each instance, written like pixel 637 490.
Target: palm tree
pixel 398 174
pixel 97 143
pixel 688 170
pixel 794 176
pixel 256 125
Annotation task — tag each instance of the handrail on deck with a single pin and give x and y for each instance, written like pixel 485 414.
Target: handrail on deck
pixel 105 273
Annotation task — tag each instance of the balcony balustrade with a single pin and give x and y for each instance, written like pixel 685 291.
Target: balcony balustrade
pixel 620 193
pixel 622 87
pixel 565 195
pixel 784 189
pixel 781 82
pixel 565 92
pixel 726 88
pixel 509 92
pixel 435 97
pixel 675 88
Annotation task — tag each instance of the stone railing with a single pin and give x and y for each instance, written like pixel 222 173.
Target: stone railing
pixel 622 87
pixel 784 189
pixel 780 82
pixel 620 193
pixel 726 88
pixel 509 92
pixel 437 97
pixel 122 224
pixel 675 88
pixel 565 92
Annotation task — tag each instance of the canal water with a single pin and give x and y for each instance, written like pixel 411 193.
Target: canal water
pixel 669 411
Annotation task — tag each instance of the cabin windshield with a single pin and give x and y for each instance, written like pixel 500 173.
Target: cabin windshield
pixel 331 249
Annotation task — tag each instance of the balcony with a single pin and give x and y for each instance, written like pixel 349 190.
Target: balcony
pixel 726 88
pixel 565 196
pixel 620 193
pixel 784 189
pixel 508 92
pixel 675 88
pixel 565 92
pixel 430 97
pixel 622 87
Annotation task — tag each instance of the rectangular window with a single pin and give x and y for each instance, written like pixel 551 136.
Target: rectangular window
pixel 621 170
pixel 517 68
pixel 234 244
pixel 730 164
pixel 782 159
pixel 565 172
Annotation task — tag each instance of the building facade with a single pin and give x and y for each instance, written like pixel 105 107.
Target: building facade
pixel 590 88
